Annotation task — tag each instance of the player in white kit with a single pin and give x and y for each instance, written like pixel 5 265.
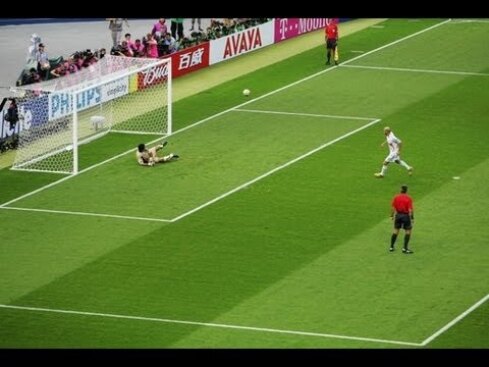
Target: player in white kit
pixel 395 145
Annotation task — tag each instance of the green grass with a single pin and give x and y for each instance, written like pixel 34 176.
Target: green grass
pixel 436 51
pixel 218 156
pixel 303 249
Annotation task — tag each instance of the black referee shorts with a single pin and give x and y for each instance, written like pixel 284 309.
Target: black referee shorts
pixel 402 221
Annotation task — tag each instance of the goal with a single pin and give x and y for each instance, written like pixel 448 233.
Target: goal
pixel 114 95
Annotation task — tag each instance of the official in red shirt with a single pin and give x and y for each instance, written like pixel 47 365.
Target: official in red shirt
pixel 403 216
pixel 331 38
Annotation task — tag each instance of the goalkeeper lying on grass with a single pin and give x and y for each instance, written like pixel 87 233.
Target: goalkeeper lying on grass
pixel 148 157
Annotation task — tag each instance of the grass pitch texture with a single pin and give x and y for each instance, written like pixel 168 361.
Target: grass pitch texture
pixel 296 259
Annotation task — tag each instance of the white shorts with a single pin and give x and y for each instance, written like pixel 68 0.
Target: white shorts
pixel 392 157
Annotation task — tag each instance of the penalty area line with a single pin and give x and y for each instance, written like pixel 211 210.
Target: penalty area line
pixel 246 184
pixel 427 71
pixel 87 214
pixel 455 320
pixel 305 114
pixel 211 324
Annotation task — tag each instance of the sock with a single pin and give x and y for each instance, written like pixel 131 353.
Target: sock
pixel 329 56
pixel 404 164
pixel 393 239
pixel 383 170
pixel 406 240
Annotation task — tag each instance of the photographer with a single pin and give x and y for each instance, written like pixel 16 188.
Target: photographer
pixel 31 77
pixel 43 64
pixel 117 51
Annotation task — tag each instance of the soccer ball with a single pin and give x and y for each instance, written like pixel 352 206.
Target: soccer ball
pixel 246 92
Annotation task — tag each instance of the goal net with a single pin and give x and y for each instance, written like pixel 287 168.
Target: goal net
pixel 116 94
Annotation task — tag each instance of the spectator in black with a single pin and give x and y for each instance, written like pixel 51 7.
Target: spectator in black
pixel 31 78
pixel 198 22
pixel 101 53
pixel 88 58
pixel 12 114
pixel 177 28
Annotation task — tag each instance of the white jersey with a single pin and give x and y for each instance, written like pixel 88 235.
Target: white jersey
pixel 142 157
pixel 393 143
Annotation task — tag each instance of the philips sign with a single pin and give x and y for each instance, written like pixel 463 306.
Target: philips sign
pixel 61 104
pixel 115 89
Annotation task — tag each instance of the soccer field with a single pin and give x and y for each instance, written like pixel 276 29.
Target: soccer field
pixel 271 231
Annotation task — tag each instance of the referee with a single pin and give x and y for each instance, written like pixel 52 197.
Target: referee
pixel 403 216
pixel 331 38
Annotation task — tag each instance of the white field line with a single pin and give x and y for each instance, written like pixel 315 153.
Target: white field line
pixel 459 21
pixel 429 71
pixel 210 324
pixel 275 170
pixel 306 114
pixel 87 214
pixel 455 320
pixel 228 110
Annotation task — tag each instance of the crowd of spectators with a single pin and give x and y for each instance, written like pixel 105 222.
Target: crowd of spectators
pixel 42 68
pixel 160 42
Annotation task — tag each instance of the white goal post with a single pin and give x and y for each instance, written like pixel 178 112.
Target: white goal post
pixel 115 94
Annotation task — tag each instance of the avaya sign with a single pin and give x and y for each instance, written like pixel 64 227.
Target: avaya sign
pixel 236 44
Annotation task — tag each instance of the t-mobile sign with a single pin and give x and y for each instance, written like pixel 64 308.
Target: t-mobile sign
pixel 286 28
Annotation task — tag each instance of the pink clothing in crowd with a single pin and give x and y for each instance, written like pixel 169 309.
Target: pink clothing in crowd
pixel 152 48
pixel 159 28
